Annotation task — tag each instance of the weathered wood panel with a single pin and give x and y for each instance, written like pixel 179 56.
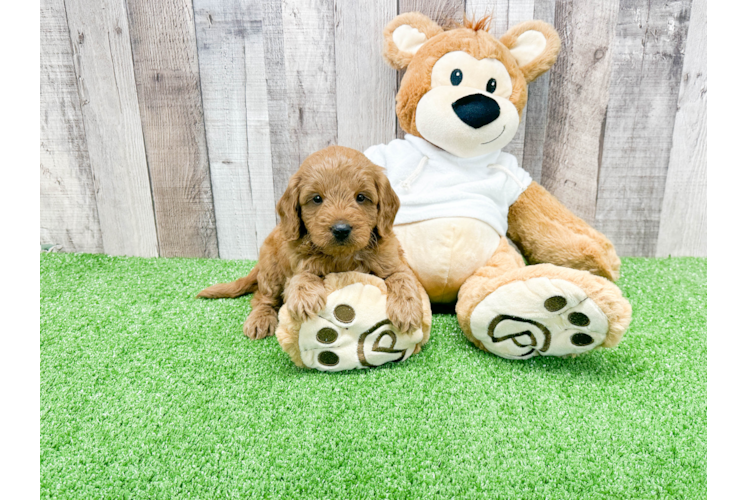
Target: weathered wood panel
pixel 275 71
pixel 279 79
pixel 683 215
pixel 109 102
pixel 69 217
pixel 366 85
pixel 441 11
pixel 221 29
pixel 647 64
pixel 258 135
pixel 309 49
pixel 164 54
pixel 578 98
pixel 536 112
pixel 232 69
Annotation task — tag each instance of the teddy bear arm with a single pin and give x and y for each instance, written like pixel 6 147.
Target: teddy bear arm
pixel 548 232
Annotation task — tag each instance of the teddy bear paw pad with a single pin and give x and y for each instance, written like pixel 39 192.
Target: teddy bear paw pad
pixel 538 317
pixel 353 331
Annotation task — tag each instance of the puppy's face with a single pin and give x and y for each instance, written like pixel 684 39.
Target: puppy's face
pixel 339 209
pixel 339 200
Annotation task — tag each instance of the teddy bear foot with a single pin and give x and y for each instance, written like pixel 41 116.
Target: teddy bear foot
pixel 352 331
pixel 547 316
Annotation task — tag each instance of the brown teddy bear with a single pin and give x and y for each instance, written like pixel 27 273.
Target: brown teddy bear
pixel 465 204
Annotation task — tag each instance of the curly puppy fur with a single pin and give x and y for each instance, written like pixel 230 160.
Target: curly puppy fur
pixel 335 186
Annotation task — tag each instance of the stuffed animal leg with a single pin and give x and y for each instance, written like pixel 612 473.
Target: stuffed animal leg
pixel 547 232
pixel 353 330
pixel 518 312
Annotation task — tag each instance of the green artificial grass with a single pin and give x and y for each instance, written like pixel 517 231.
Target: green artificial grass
pixel 149 393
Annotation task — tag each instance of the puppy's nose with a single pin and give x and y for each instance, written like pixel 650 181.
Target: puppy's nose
pixel 341 231
pixel 476 110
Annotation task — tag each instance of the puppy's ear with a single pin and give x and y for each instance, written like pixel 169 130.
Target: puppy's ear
pixel 290 211
pixel 404 35
pixel 535 46
pixel 388 205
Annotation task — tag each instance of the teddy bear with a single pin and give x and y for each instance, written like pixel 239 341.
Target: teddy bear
pixel 469 213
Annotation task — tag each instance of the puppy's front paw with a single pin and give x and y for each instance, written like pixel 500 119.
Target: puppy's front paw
pixel 406 313
pixel 304 306
pixel 260 324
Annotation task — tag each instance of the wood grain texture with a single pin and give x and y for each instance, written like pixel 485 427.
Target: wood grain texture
pixel 309 48
pixel 258 134
pixel 647 65
pixel 536 112
pixel 577 102
pixel 206 115
pixel 441 11
pixel 232 69
pixel 275 71
pixel 366 86
pixel 220 28
pixel 111 116
pixel 164 54
pixel 69 217
pixel 683 215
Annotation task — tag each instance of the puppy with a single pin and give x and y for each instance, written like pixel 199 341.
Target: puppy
pixel 336 215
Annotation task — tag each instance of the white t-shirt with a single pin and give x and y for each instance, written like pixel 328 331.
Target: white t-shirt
pixel 432 183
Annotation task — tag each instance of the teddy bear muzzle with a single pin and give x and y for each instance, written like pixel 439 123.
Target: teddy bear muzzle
pixel 476 110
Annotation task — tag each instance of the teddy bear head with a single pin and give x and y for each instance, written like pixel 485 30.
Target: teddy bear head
pixel 464 90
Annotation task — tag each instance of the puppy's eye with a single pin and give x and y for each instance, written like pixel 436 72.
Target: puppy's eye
pixel 491 85
pixel 317 199
pixel 360 198
pixel 456 77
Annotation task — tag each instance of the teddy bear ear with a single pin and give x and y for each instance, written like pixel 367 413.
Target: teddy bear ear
pixel 404 35
pixel 535 46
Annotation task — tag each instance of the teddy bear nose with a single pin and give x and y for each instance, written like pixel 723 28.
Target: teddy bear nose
pixel 476 110
pixel 341 231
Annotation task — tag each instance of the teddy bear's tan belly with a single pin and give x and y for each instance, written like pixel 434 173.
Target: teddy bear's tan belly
pixel 445 252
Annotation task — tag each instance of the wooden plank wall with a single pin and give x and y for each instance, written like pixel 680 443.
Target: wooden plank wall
pixel 164 53
pixel 682 229
pixel 69 216
pixel 105 76
pixel 171 127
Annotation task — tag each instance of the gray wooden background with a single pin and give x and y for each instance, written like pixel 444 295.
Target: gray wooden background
pixel 171 127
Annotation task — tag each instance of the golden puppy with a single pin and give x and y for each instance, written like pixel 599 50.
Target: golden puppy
pixel 336 215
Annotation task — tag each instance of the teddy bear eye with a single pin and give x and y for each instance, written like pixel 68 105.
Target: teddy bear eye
pixel 491 85
pixel 456 77
pixel 317 199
